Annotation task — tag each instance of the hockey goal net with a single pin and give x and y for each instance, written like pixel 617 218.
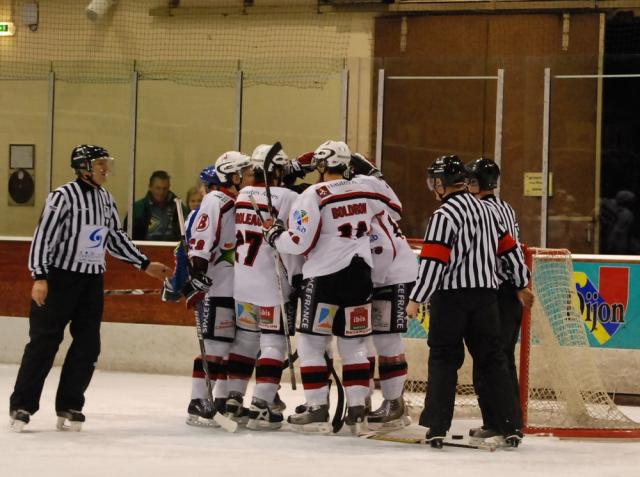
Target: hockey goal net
pixel 561 390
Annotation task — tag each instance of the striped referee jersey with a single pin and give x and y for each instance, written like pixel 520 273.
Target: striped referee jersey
pixel 78 223
pixel 508 217
pixel 463 241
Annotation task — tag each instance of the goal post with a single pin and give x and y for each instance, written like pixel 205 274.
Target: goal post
pixel 561 389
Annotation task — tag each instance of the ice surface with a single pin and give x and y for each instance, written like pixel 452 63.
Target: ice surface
pixel 135 427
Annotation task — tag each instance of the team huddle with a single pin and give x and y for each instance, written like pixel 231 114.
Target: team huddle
pixel 262 250
pixel 266 256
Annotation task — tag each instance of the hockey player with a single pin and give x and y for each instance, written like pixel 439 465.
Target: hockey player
pixel 257 292
pixel 457 276
pixel 394 270
pixel 211 255
pixel 329 224
pixel 483 177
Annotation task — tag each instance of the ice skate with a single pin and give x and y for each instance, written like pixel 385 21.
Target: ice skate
pixel 301 408
pixel 356 419
pixel 314 419
pixel 200 413
pixel 390 416
pixel 478 435
pixel 278 404
pixel 263 418
pixel 70 420
pixel 19 419
pixel 436 439
pixel 235 410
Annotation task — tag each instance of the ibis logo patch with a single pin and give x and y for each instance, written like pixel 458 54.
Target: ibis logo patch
pixel 603 301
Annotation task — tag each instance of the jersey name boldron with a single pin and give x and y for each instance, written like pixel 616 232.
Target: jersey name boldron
pixel 247 218
pixel 348 210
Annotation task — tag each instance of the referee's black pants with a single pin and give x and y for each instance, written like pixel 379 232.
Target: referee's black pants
pixel 510 310
pixel 72 297
pixel 457 317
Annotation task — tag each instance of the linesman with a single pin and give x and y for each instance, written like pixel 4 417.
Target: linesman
pixel 457 276
pixel 78 223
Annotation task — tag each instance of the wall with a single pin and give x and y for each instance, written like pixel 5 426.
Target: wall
pixel 425 119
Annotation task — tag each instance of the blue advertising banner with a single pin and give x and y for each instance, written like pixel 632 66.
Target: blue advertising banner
pixel 609 301
pixel 608 298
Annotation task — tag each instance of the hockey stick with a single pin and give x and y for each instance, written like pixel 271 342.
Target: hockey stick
pixel 338 418
pixel 417 440
pixel 268 159
pixel 283 313
pixel 227 424
pixel 132 291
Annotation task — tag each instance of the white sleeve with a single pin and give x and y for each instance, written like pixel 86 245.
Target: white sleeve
pixel 304 226
pixel 205 231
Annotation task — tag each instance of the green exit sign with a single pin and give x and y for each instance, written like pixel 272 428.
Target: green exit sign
pixel 7 29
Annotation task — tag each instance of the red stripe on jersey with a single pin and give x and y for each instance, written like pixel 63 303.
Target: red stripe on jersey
pixel 361 195
pixel 506 244
pixel 315 239
pixel 238 358
pixel 436 251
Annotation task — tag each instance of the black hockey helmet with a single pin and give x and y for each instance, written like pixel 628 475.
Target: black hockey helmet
pixel 485 171
pixel 82 155
pixel 449 169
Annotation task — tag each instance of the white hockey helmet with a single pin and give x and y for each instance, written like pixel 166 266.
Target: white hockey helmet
pixel 335 154
pixel 229 163
pixel 260 153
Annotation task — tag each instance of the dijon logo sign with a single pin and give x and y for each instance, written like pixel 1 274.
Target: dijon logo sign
pixel 603 300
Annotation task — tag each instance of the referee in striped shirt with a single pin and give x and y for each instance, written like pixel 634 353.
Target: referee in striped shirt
pixel 78 223
pixel 483 177
pixel 457 276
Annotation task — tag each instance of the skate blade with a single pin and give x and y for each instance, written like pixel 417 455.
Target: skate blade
pixel 358 428
pixel 198 421
pixel 390 426
pixel 258 425
pixel 64 424
pixel 17 425
pixel 312 428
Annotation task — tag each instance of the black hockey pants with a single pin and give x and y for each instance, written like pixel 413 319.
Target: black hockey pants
pixel 510 321
pixel 72 297
pixel 457 317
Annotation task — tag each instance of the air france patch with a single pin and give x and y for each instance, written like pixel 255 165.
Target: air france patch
pixel 323 322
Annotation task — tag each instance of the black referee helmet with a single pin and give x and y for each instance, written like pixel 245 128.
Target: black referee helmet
pixel 485 171
pixel 449 169
pixel 82 155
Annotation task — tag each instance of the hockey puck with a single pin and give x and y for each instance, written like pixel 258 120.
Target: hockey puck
pixel 457 437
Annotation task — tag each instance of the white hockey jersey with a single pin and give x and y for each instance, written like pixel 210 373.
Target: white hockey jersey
pixel 213 237
pixel 255 272
pixel 393 260
pixel 330 223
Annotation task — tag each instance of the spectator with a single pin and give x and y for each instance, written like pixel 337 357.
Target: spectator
pixel 155 216
pixel 194 198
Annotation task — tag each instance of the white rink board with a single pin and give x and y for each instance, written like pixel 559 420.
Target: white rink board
pixel 170 350
pixel 135 427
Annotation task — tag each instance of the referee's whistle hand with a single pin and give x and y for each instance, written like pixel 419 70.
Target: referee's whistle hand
pixel 39 291
pixel 412 309
pixel 157 270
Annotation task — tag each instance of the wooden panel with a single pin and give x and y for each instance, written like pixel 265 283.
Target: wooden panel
pixel 426 119
pixel 15 288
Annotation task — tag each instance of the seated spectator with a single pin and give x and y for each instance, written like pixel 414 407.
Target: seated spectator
pixel 194 198
pixel 155 216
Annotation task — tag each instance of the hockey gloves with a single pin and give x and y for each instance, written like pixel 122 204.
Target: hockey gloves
pixel 292 171
pixel 361 166
pixel 272 229
pixel 196 288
